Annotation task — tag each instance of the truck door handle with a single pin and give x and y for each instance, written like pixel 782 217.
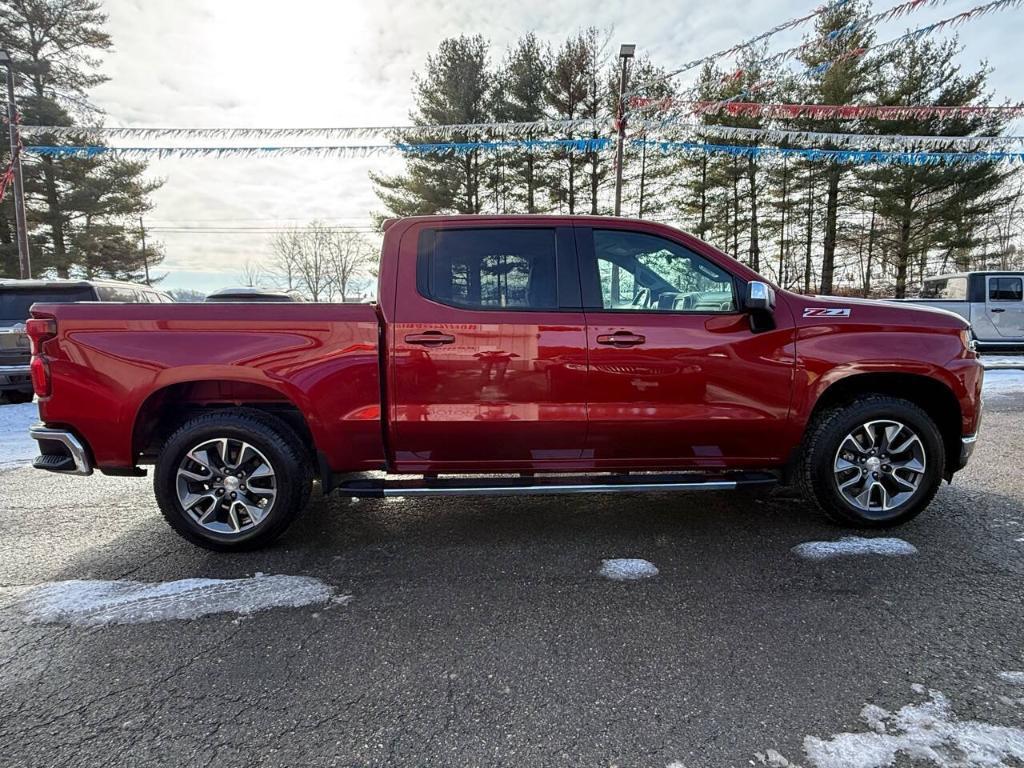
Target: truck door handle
pixel 430 338
pixel 997 309
pixel 621 339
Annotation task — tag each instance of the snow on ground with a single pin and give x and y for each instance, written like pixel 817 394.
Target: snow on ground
pixel 627 569
pixel 1002 361
pixel 97 603
pixel 853 545
pixel 1003 382
pixel 928 733
pixel 1014 678
pixel 16 447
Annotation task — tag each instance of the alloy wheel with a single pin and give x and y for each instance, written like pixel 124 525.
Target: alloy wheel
pixel 226 485
pixel 879 466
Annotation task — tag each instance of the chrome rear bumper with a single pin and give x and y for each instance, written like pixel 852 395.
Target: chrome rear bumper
pixel 60 451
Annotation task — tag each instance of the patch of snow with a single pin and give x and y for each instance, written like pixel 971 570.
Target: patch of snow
pixel 627 569
pixel 992 362
pixel 853 545
pixel 920 733
pixel 16 447
pixel 97 603
pixel 1002 383
pixel 1015 678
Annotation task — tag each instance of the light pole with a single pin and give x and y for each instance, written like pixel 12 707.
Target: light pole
pixel 626 53
pixel 20 224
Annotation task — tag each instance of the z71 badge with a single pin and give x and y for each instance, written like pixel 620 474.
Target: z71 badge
pixel 827 312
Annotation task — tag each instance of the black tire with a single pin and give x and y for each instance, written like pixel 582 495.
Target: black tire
pixel 279 446
pixel 16 396
pixel 817 472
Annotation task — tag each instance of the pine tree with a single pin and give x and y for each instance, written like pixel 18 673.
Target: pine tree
pixel 82 212
pixel 524 79
pixel 932 208
pixel 455 89
pixel 837 73
pixel 566 95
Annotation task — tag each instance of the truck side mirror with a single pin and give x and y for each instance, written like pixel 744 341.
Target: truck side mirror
pixel 760 297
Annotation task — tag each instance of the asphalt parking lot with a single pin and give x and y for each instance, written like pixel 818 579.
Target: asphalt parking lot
pixel 479 632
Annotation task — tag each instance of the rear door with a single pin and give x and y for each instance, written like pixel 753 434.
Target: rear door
pixel 488 349
pixel 1005 305
pixel 677 375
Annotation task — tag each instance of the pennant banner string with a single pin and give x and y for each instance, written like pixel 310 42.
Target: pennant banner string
pixel 846 156
pixel 849 29
pixel 819 69
pixel 899 10
pixel 779 136
pixel 917 34
pixel 659 125
pixel 824 8
pixel 586 125
pixel 836 111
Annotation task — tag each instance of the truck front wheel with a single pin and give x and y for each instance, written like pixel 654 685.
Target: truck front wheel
pixel 874 463
pixel 232 479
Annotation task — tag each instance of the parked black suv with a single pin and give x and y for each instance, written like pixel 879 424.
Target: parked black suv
pixel 16 296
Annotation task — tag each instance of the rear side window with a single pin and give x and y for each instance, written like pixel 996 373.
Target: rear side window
pixel 1005 289
pixel 118 293
pixel 14 304
pixel 952 288
pixel 489 268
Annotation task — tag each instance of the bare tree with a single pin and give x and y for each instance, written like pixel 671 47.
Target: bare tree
pixel 286 247
pixel 350 254
pixel 313 261
pixel 252 273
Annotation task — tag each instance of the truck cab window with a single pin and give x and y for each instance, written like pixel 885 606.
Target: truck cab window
pixel 489 268
pixel 1005 289
pixel 649 274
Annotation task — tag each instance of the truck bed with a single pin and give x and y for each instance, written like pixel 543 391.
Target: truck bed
pixel 115 364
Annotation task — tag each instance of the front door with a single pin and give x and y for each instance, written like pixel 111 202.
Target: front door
pixel 489 350
pixel 677 377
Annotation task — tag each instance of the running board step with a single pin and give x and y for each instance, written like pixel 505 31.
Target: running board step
pixel 526 486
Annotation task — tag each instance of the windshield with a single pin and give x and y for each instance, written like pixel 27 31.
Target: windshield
pixel 15 303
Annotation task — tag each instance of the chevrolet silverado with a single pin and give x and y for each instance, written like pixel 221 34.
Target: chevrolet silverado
pixel 511 355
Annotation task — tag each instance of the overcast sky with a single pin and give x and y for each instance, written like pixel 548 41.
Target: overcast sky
pixel 240 63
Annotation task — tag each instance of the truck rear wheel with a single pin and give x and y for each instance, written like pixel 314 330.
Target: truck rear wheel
pixel 232 479
pixel 874 463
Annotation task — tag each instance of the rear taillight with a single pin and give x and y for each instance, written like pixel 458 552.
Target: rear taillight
pixel 40 370
pixel 40 330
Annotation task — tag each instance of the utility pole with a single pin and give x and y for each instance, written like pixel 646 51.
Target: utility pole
pixel 145 259
pixel 626 53
pixel 20 224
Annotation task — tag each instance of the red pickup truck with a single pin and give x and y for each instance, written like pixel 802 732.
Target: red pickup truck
pixel 511 355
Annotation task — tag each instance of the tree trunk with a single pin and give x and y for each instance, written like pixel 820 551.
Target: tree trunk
pixel 903 253
pixel 530 206
pixel 810 230
pixel 572 185
pixel 755 248
pixel 703 229
pixel 735 212
pixel 643 178
pixel 782 223
pixel 828 253
pixel 871 250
